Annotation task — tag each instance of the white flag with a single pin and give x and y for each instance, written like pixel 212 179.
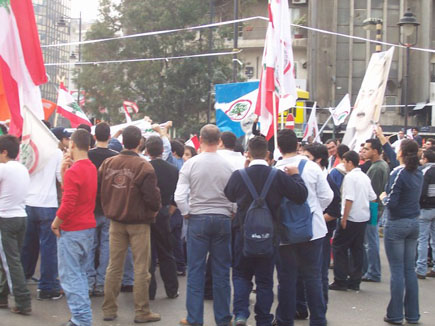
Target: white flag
pixel 341 111
pixel 38 144
pixel 312 129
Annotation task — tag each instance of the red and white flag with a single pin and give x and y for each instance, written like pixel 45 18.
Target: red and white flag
pixel 312 128
pixel 129 107
pixel 21 63
pixel 193 142
pixel 68 107
pixel 277 76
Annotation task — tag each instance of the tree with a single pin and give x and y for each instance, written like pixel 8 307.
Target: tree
pixel 175 90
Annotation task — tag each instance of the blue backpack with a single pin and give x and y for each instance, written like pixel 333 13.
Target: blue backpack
pixel 258 227
pixel 296 220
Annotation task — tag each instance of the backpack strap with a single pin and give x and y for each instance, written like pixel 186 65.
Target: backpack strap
pixel 301 166
pixel 268 183
pixel 249 184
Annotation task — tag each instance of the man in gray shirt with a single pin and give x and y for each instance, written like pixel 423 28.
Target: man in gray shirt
pixel 200 198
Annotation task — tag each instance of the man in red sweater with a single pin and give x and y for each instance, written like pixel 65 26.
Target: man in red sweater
pixel 74 226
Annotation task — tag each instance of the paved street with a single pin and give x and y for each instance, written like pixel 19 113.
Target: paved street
pixel 366 307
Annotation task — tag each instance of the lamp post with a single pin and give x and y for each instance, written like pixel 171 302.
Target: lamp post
pixel 63 23
pixel 408 37
pixel 370 24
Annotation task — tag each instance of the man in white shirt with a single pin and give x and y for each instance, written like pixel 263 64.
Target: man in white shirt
pixel 355 209
pixel 200 198
pixel 226 150
pixel 303 259
pixel 396 144
pixel 14 183
pixel 41 207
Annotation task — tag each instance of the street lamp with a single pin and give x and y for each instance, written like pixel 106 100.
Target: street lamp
pixel 371 24
pixel 408 26
pixel 63 23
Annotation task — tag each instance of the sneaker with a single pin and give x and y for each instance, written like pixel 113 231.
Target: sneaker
pixel 354 287
pixel 430 274
pixel 389 321
pixel 184 322
pixel 240 321
pixel 151 317
pixel 173 296
pixel 421 277
pixel 301 315
pixel 126 288
pixel 337 287
pixel 25 311
pixel 69 323
pixel 99 291
pixel 181 273
pixel 366 279
pixel 48 295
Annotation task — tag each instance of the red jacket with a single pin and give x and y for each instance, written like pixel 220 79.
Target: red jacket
pixel 78 200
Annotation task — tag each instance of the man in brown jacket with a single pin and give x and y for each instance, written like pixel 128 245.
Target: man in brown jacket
pixel 131 200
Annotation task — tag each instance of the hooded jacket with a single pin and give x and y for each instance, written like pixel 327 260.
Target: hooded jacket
pixel 128 187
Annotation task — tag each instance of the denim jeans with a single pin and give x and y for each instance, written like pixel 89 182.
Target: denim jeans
pixel 303 259
pixel 73 249
pixel 176 222
pixel 39 237
pixel 97 267
pixel 400 238
pixel 427 230
pixel 372 260
pixel 128 276
pixel 208 233
pixel 244 269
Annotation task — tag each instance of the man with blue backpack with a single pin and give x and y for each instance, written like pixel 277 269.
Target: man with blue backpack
pixel 300 253
pixel 258 191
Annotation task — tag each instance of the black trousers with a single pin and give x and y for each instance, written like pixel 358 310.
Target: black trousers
pixel 348 270
pixel 162 249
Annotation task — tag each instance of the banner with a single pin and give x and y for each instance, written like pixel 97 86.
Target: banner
pixel 367 108
pixel 38 143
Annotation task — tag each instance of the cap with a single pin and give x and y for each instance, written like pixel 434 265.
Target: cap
pixel 115 144
pixel 60 133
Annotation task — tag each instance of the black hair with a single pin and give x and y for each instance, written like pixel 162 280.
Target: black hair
pixel 429 155
pixel 81 139
pixel 177 147
pixel 409 149
pixel 84 126
pixel 229 140
pixel 341 149
pixel 210 134
pixel 415 128
pixel 143 144
pixel 318 151
pixel 431 140
pixel 191 149
pixel 102 131
pixel 257 147
pixel 11 144
pixel 287 141
pixel 154 146
pixel 352 156
pixel 375 144
pixel 131 137
pixel 331 141
pixel 239 149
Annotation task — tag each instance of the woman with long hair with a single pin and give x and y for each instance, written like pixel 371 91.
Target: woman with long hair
pixel 402 198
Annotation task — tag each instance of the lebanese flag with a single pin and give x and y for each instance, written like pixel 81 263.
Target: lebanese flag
pixel 277 76
pixel 129 107
pixel 67 107
pixel 312 128
pixel 21 63
pixel 193 142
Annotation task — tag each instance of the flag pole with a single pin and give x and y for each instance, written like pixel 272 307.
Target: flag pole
pixel 275 122
pixel 323 127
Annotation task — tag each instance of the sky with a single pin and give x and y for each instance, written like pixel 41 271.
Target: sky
pixel 89 9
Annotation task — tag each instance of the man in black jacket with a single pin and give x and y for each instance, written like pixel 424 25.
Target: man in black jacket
pixel 427 217
pixel 244 268
pixel 161 237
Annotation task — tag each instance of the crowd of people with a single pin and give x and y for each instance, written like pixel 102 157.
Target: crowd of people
pixel 102 214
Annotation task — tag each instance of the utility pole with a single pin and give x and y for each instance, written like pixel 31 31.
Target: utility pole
pixel 210 66
pixel 236 39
